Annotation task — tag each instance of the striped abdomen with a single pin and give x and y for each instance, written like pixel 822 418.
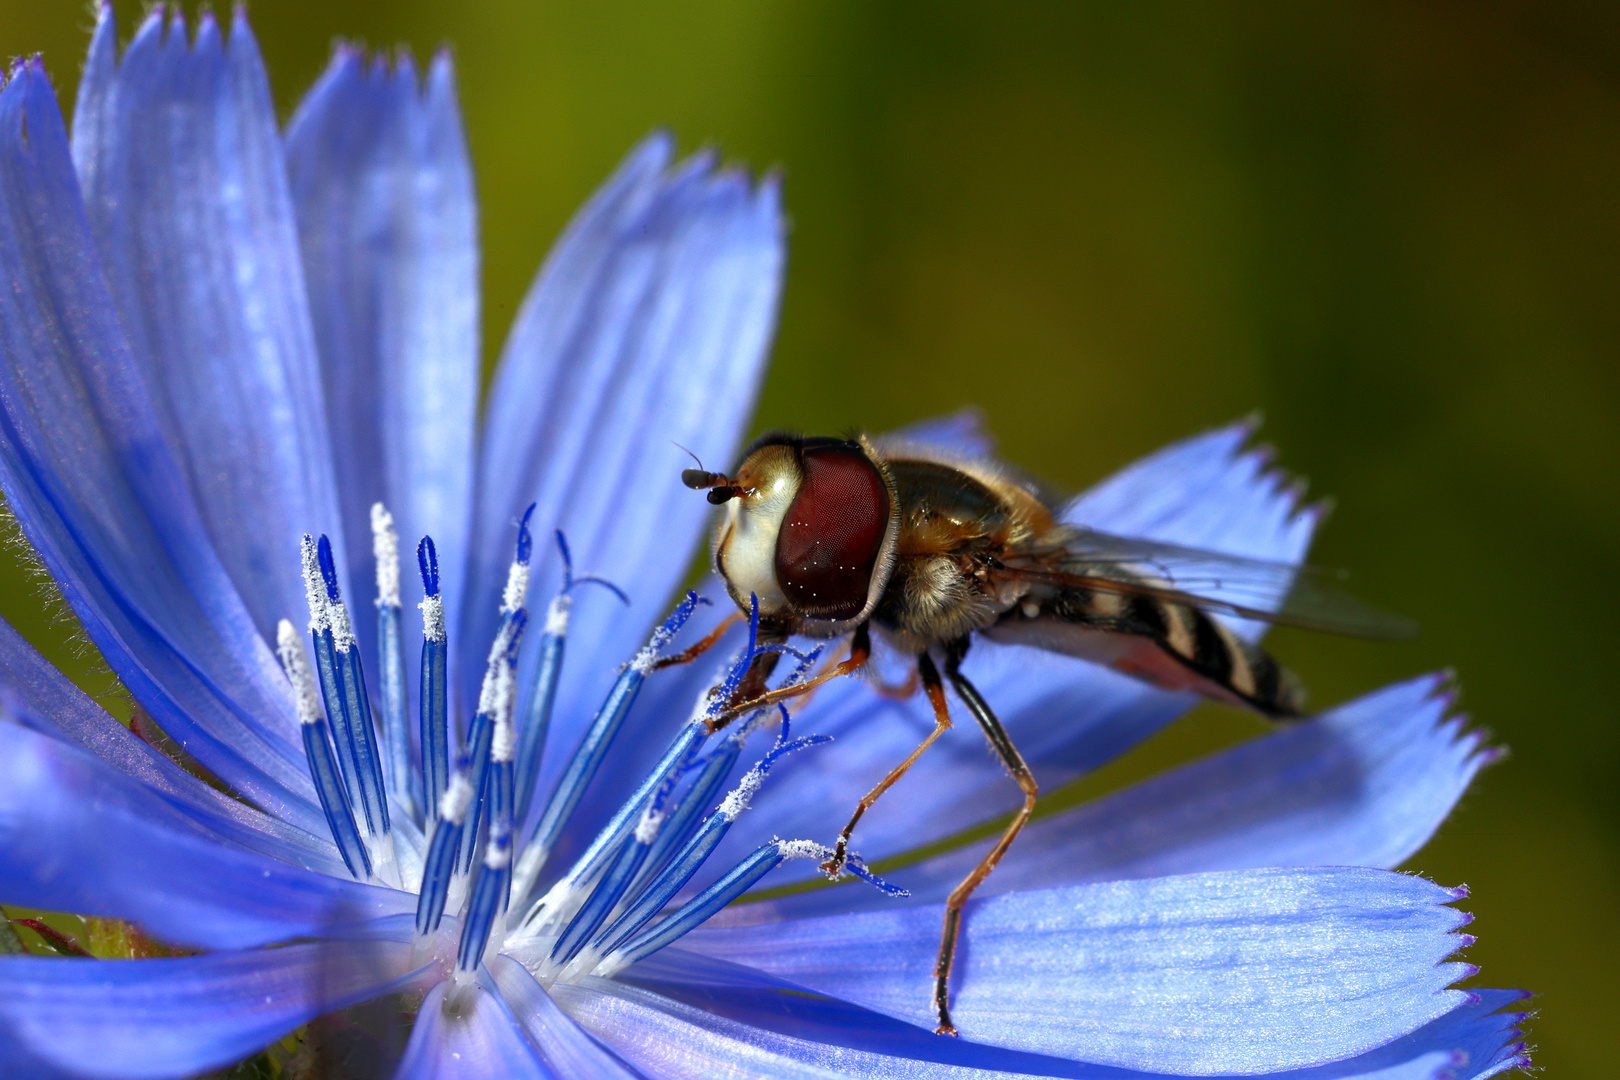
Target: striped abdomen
pixel 1169 644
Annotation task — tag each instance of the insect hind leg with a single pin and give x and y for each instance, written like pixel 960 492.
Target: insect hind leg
pixel 1004 748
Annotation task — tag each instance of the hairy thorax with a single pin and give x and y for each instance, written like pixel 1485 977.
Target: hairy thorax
pixel 952 519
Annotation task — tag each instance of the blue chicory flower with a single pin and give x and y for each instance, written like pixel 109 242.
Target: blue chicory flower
pixel 217 338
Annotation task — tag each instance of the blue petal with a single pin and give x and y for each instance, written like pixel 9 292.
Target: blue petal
pixel 162 1018
pixel 185 191
pixel 1066 716
pixel 1207 492
pixel 647 328
pixel 477 1039
pixel 681 1014
pixel 387 224
pixel 1471 1042
pixel 566 1048
pixel 1252 971
pixel 1365 784
pixel 41 697
pixel 96 493
pixel 962 434
pixel 77 835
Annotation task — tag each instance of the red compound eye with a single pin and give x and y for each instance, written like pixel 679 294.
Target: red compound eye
pixel 833 531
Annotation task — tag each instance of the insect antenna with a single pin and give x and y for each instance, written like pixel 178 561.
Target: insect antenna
pixel 721 489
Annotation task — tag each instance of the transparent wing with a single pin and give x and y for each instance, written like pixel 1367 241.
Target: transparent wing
pixel 1286 593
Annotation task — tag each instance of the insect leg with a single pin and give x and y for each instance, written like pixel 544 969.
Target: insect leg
pixel 687 655
pixel 860 651
pixel 804 699
pixel 1004 748
pixel 902 692
pixel 942 721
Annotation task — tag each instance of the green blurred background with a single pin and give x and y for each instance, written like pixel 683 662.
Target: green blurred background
pixel 1390 226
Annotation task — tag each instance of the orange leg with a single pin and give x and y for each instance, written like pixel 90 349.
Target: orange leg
pixel 860 650
pixel 805 699
pixel 687 655
pixel 942 722
pixel 902 692
pixel 959 896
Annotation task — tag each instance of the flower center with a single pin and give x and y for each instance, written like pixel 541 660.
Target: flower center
pixel 468 837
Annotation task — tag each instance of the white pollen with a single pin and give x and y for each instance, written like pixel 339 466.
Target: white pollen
pixel 324 614
pixel 732 806
pixel 342 631
pixel 498 853
pixel 503 740
pixel 647 828
pixel 432 617
pixel 295 662
pixel 707 705
pixel 457 797
pixel 495 695
pixel 557 615
pixel 645 660
pixel 385 550
pixel 517 588
pixel 802 849
pixel 320 617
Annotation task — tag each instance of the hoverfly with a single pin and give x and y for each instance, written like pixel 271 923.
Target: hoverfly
pixel 840 537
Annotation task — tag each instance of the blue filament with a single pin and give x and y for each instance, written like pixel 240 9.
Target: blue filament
pixel 587 757
pixel 593 747
pixel 525 542
pixel 696 911
pixel 569 580
pixel 665 883
pixel 609 890
pixel 683 821
pixel 489 897
pixel 334 800
pixel 437 870
pixel 739 669
pixel 402 780
pixel 857 866
pixel 479 735
pixel 439 866
pixel 542 695
pixel 668 882
pixel 492 889
pixel 619 827
pixel 368 762
pixel 336 711
pixel 613 886
pixel 427 561
pixel 347 678
pixel 537 720
pixel 477 752
pixel 433 710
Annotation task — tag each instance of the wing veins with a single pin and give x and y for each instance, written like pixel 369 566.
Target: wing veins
pixel 1286 594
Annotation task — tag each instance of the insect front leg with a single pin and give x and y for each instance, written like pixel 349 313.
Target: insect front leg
pixel 691 653
pixel 929 674
pixel 1004 748
pixel 860 651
